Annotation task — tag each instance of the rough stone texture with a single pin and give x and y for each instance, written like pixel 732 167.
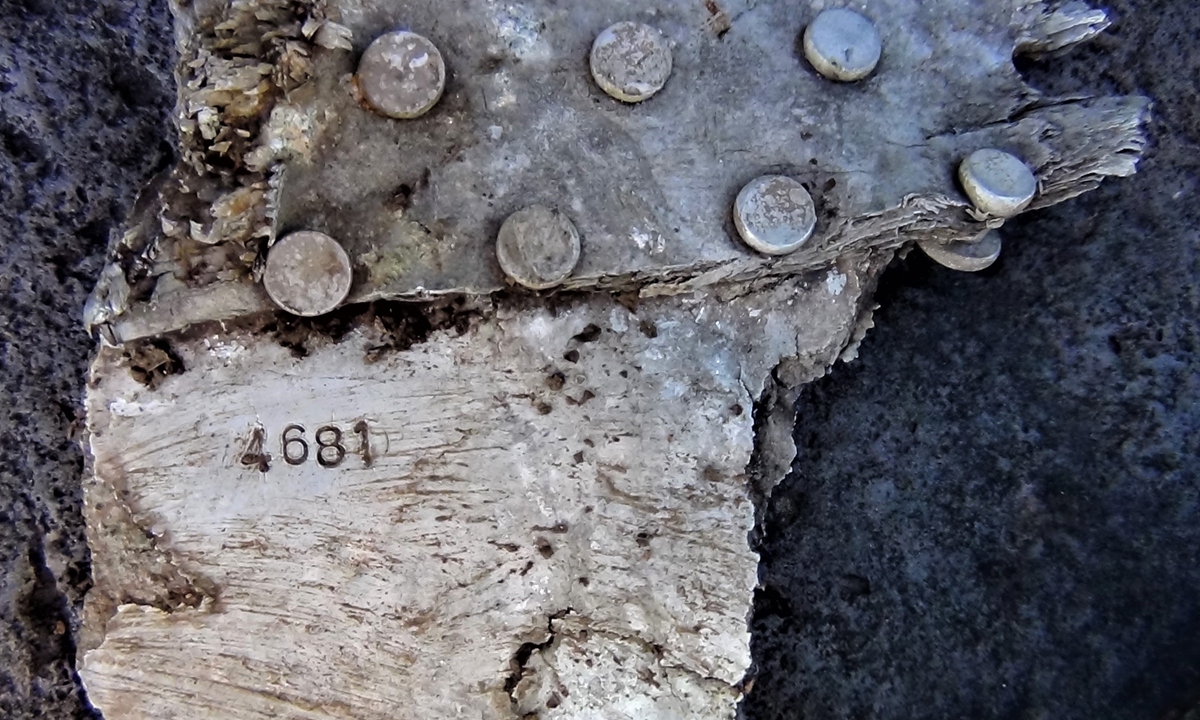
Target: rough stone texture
pixel 84 98
pixel 996 511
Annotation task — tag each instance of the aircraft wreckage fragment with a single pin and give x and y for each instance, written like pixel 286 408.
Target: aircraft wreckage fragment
pixel 445 374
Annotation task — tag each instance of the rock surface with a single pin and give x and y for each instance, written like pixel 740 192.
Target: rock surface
pixel 85 95
pixel 995 511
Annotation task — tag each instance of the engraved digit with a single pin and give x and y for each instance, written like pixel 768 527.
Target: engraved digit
pixel 364 447
pixel 253 455
pixel 288 442
pixel 339 451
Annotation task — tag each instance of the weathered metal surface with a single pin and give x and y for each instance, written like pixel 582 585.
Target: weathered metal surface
pixel 650 186
pixel 507 504
pixel 549 500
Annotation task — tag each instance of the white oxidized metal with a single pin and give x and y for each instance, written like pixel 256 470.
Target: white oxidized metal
pixel 538 247
pixel 998 183
pixel 630 61
pixel 775 215
pixel 307 273
pixel 979 254
pixel 417 205
pixel 842 45
pixel 449 501
pixel 402 75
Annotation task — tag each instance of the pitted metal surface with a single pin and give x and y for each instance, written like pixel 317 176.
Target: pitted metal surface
pixel 417 203
pixel 649 186
pixel 501 507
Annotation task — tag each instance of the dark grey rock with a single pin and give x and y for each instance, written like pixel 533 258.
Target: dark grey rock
pixel 995 512
pixel 85 95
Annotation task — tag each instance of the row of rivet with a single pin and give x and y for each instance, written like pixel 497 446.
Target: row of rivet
pixel 308 273
pixel 402 75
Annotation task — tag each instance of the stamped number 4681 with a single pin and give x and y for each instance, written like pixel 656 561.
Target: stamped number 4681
pixel 328 446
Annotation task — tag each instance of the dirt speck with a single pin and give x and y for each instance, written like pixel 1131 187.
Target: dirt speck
pixel 152 361
pixel 591 333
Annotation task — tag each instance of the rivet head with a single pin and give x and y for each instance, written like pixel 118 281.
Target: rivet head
pixel 307 273
pixel 402 75
pixel 997 183
pixel 964 256
pixel 774 214
pixel 631 61
pixel 842 45
pixel 538 247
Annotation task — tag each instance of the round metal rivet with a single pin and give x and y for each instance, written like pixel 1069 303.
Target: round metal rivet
pixel 965 256
pixel 774 215
pixel 842 45
pixel 538 247
pixel 631 61
pixel 997 182
pixel 307 273
pixel 402 75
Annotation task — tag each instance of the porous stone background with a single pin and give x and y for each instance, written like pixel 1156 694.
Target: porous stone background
pixel 994 511
pixel 85 98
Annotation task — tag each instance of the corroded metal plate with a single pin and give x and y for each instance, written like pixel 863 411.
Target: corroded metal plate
pixel 650 186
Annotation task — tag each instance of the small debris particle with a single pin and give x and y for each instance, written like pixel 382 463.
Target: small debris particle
pixel 544 547
pixel 591 333
pixel 630 300
pixel 587 395
pixel 648 328
pixel 737 410
pixel 557 528
pixel 646 675
pixel 544 408
pixel 556 381
pixel 718 20
pixel 584 581
pixel 152 361
pixel 578 457
pixel 401 199
pixel 571 356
